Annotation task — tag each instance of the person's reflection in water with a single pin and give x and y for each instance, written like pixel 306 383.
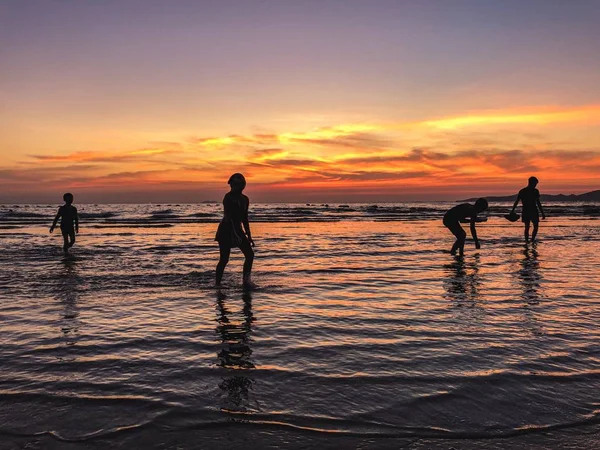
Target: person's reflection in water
pixel 529 276
pixel 462 283
pixel 68 284
pixel 530 279
pixel 235 355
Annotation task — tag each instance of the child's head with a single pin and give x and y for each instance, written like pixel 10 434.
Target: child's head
pixel 533 181
pixel 68 198
pixel 481 204
pixel 237 182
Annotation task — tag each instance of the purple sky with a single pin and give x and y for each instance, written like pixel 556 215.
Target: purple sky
pixel 115 76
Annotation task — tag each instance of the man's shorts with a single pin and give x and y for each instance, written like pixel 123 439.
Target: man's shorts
pixel 531 216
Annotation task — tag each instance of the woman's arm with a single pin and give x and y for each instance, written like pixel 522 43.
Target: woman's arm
pixel 229 207
pixel 246 222
pixel 226 207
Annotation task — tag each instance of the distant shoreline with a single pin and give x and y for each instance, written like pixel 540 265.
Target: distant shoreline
pixel 593 196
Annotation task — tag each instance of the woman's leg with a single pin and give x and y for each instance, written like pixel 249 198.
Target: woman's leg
pixel 246 249
pixel 224 251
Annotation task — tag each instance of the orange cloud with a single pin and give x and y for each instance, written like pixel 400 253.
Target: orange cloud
pixel 102 156
pixel 441 154
pixel 344 133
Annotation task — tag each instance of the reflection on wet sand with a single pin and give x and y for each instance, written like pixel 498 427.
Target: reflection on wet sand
pixel 462 282
pixel 234 331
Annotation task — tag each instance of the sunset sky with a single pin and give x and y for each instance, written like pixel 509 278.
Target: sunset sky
pixel 325 100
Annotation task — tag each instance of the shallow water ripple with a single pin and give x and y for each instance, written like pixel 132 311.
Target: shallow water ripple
pixel 363 327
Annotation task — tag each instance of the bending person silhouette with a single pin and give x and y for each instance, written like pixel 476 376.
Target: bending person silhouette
pixel 460 213
pixel 530 198
pixel 69 222
pixel 230 233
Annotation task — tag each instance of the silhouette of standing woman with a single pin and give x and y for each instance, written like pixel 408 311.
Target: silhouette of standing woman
pixel 230 233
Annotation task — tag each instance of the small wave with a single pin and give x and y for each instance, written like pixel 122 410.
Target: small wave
pixel 11 213
pixel 200 214
pixel 103 215
pixel 164 216
pixel 182 421
pixel 297 211
pixel 131 224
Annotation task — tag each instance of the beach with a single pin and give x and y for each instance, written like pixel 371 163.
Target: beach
pixel 363 331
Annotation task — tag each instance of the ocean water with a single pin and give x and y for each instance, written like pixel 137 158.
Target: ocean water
pixel 362 328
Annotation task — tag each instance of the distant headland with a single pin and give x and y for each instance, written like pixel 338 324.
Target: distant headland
pixel 593 196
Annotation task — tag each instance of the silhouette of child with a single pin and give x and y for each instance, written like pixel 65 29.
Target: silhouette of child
pixel 458 213
pixel 530 197
pixel 230 233
pixel 69 222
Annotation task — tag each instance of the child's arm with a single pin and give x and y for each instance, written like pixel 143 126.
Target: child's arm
pixel 247 223
pixel 76 221
pixel 55 220
pixel 474 231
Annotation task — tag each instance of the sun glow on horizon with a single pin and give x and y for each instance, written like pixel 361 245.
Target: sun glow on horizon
pixel 444 153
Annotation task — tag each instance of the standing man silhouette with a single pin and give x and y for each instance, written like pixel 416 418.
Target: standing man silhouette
pixel 530 198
